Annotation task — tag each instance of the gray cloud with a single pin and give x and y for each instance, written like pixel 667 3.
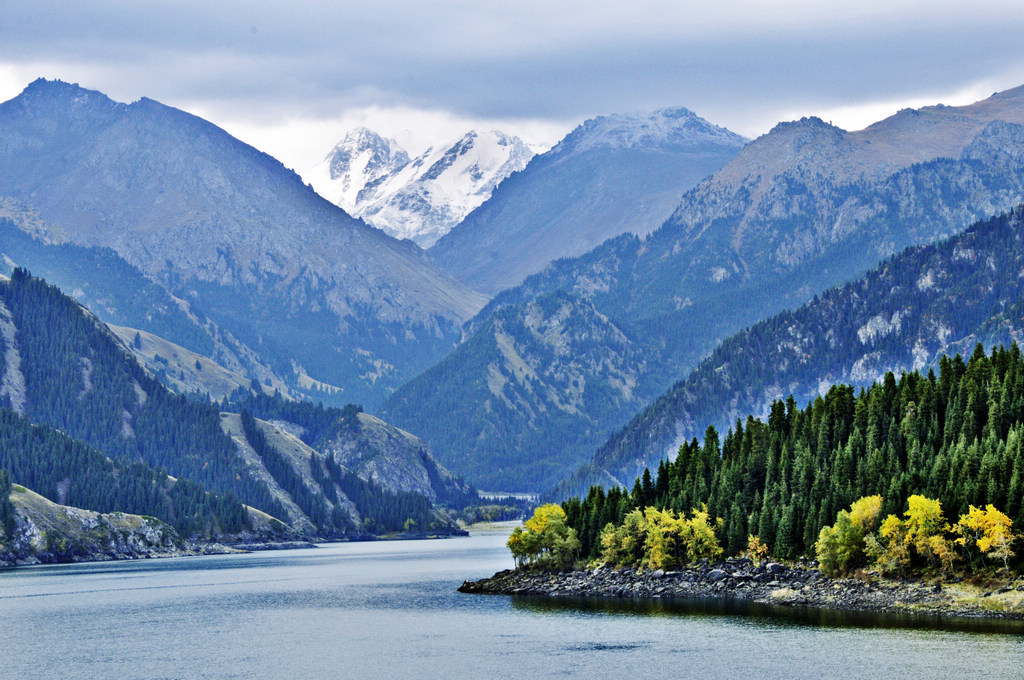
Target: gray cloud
pixel 514 59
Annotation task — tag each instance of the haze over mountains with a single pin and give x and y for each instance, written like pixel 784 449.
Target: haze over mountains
pixel 329 303
pixel 800 209
pixel 611 175
pixel 418 198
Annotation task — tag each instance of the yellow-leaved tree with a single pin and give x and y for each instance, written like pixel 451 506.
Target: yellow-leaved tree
pixel 544 540
pixel 841 547
pixel 659 539
pixel 663 545
pixel 922 534
pixel 988 531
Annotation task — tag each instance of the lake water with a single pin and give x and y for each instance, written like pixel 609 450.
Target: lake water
pixel 391 610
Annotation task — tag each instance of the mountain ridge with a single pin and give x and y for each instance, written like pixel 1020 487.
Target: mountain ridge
pixel 232 231
pixel 925 302
pixel 732 254
pixel 611 174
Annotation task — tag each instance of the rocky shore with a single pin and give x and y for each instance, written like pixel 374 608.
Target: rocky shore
pixel 770 583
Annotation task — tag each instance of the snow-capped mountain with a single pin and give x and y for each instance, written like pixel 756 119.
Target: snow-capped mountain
pixel 423 198
pixel 362 158
pixel 611 175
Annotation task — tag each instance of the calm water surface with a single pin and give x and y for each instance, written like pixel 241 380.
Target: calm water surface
pixel 390 610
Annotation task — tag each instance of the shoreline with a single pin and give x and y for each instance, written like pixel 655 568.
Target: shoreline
pixel 770 584
pixel 134 551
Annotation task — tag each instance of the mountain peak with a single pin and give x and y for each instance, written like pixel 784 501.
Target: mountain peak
pixel 676 112
pixel 677 126
pixel 62 95
pixel 421 198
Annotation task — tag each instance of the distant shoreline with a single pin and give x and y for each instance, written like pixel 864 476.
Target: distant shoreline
pixel 771 583
pixel 123 553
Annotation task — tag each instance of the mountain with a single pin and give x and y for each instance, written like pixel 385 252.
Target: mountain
pixel 84 423
pixel 611 175
pixel 46 532
pixel 336 307
pixel 391 458
pixel 799 210
pixel 924 303
pixel 131 303
pixel 420 198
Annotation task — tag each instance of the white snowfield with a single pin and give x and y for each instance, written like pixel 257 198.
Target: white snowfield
pixel 418 198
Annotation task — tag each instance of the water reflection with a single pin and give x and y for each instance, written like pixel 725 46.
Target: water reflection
pixel 767 613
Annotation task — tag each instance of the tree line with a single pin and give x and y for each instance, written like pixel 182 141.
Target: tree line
pixel 70 472
pixel 956 436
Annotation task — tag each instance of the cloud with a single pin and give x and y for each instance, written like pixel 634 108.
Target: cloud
pixel 740 63
pixel 301 143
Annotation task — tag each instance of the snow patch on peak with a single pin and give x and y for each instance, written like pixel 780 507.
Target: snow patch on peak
pixel 421 198
pixel 671 126
pixel 363 158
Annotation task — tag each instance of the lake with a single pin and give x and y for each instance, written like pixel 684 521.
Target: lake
pixel 391 610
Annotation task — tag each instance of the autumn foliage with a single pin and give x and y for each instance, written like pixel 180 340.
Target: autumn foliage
pixel 920 540
pixel 544 540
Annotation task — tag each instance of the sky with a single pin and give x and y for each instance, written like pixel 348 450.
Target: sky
pixel 292 78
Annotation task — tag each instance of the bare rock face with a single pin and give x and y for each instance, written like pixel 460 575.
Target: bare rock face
pixel 48 532
pixel 234 233
pixel 394 459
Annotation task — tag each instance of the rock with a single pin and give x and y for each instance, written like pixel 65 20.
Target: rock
pixel 775 568
pixel 793 587
pixel 716 575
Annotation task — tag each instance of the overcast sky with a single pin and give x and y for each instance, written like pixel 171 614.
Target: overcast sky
pixel 292 78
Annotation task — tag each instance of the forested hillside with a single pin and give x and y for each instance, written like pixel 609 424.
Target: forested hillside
pixel 956 435
pixel 119 293
pixel 64 369
pixel 122 433
pixel 71 473
pixel 902 315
